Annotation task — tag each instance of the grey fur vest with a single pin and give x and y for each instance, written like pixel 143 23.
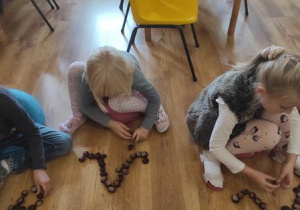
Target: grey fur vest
pixel 236 87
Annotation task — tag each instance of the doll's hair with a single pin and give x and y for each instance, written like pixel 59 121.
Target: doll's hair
pixel 109 73
pixel 280 76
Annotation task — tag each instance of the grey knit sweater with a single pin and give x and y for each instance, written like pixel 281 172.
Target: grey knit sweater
pixel 236 88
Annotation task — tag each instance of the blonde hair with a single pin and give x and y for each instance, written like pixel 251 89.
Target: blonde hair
pixel 280 76
pixel 109 73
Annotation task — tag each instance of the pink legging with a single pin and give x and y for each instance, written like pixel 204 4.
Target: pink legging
pixel 75 73
pixel 262 134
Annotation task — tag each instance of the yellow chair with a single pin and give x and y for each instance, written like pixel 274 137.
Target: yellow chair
pixel 164 14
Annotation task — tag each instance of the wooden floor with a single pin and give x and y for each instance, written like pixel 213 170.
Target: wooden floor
pixel 36 61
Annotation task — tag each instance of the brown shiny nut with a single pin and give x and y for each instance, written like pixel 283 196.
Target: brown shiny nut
pixel 296 206
pixel 20 200
pixel 125 165
pixel 81 159
pixel 145 160
pixel 285 208
pixel 91 156
pixel 262 205
pixel 102 169
pixel 240 195
pixel 33 189
pixel 125 171
pixel 130 160
pixel 101 162
pixel 119 170
pixel 11 207
pixel 103 173
pixel 144 154
pixel 116 183
pixel 31 207
pixel 39 203
pixel 296 189
pixel 133 155
pixel 245 191
pixel 252 195
pixel 138 154
pixel 103 179
pixel 298 195
pixel 97 155
pixel 24 193
pixel 86 154
pixel 257 201
pixel 111 189
pixel 120 177
pixel 130 146
pixel 103 155
pixel 297 201
pixel 235 199
pixel 108 183
pixel 40 196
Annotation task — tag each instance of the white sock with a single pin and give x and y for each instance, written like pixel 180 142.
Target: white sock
pixel 4 164
pixel 212 169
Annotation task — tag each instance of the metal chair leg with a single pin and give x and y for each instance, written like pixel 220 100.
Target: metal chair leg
pixel 131 42
pixel 52 7
pixel 56 5
pixel 1 7
pixel 246 8
pixel 42 15
pixel 121 5
pixel 125 18
pixel 195 35
pixel 187 53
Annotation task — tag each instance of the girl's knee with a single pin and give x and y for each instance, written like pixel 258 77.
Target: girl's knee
pixel 66 143
pixel 269 132
pixel 76 67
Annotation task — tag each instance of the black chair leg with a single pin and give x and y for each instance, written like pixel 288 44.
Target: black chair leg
pixel 187 53
pixel 195 35
pixel 1 7
pixel 246 8
pixel 42 15
pixel 131 42
pixel 121 5
pixel 125 18
pixel 56 5
pixel 52 7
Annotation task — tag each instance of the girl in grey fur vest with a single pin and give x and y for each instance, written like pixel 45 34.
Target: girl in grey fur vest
pixel 248 110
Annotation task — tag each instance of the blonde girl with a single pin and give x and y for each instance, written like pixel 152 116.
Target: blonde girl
pixel 112 90
pixel 248 110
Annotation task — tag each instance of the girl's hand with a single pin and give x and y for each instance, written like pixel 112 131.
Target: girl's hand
pixel 120 129
pixel 286 175
pixel 265 181
pixel 272 52
pixel 287 171
pixel 140 134
pixel 42 181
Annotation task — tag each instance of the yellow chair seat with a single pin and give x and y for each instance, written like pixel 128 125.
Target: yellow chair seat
pixel 163 12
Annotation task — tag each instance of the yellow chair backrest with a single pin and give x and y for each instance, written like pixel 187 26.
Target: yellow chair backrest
pixel 157 11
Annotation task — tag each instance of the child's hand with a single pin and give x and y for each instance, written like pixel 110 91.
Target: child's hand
pixel 42 181
pixel 265 181
pixel 120 129
pixel 272 52
pixel 286 175
pixel 140 134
